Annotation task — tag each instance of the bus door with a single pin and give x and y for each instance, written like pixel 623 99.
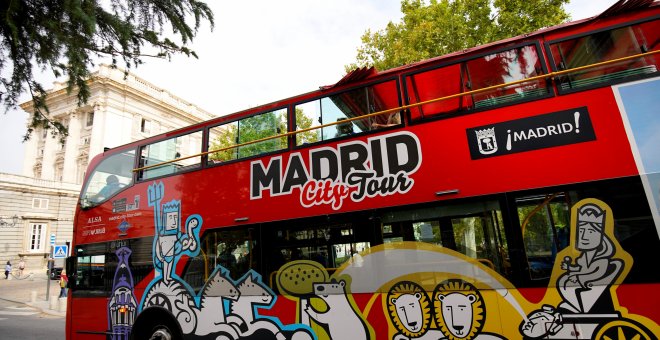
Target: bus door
pixel 474 229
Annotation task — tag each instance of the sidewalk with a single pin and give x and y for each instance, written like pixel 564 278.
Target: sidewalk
pixel 20 291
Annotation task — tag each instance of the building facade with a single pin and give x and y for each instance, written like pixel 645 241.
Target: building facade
pixel 41 203
pixel 121 109
pixel 31 210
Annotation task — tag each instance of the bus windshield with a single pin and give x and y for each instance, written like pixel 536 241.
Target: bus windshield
pixel 111 175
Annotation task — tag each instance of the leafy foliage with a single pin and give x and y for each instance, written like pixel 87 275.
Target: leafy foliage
pixel 254 128
pixel 66 35
pixel 304 121
pixel 445 26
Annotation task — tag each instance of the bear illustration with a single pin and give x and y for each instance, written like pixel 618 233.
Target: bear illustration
pixel 340 320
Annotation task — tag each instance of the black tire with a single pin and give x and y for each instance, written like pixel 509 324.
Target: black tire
pixel 161 332
pixel 156 324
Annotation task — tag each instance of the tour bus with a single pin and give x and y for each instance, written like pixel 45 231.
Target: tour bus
pixel 506 191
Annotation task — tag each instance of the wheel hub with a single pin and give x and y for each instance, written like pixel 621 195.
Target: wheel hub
pixel 161 334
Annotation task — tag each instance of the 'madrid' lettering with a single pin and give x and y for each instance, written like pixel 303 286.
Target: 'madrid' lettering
pixel 354 170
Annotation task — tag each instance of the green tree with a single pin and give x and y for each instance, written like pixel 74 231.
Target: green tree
pixel 65 37
pixel 445 26
pixel 255 128
pixel 304 121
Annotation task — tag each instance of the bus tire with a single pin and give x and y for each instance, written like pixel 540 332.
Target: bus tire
pixel 156 324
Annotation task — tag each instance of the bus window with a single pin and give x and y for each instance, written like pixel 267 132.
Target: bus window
pixel 545 226
pixel 179 151
pixel 225 137
pixel 475 230
pixel 544 222
pixel 346 105
pixel 90 273
pixel 436 83
pixel 329 245
pixel 111 175
pixel 95 265
pixel 604 46
pixel 235 250
pixel 504 67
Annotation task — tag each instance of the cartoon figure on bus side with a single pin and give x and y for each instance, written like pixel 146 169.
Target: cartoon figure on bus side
pixel 410 312
pixel 222 309
pixel 244 316
pixel 167 290
pixel 589 274
pixel 340 319
pixel 122 305
pixel 460 311
pixel 587 278
pixel 170 242
pixel 456 311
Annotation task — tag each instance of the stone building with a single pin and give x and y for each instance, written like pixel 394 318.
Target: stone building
pixel 121 109
pixel 31 210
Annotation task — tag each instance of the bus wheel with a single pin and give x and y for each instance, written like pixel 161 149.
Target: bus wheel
pixel 623 329
pixel 156 324
pixel 161 333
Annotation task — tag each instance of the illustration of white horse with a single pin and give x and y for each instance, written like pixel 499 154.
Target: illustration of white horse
pixel 211 314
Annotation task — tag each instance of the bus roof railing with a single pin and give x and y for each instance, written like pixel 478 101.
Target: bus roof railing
pixel 552 75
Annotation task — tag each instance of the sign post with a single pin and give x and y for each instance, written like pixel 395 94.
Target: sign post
pixel 50 268
pixel 51 263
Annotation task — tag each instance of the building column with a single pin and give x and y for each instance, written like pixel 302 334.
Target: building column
pixel 71 149
pixel 48 163
pixel 97 136
pixel 30 154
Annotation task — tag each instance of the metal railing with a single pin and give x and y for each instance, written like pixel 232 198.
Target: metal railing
pixel 405 107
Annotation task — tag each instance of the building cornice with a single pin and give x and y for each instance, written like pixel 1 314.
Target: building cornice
pixel 40 216
pixel 23 184
pixel 109 78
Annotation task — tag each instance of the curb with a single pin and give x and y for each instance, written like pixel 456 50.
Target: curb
pixel 44 310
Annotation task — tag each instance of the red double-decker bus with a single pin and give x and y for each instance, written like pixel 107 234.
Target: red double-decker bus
pixel 508 191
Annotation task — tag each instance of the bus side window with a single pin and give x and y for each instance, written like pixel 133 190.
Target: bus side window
pixel 180 152
pixel 474 229
pixel 235 250
pixel 605 46
pixel 89 273
pixel 329 246
pixel 224 138
pixel 544 223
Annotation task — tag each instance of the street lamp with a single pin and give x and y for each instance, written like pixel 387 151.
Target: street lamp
pixel 14 221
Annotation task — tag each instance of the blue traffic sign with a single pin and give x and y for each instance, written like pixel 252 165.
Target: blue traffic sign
pixel 60 252
pixel 52 239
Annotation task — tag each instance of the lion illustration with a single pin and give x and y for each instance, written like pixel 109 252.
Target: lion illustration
pixel 459 309
pixel 409 309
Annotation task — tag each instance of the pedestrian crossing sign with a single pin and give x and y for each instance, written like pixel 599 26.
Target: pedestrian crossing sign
pixel 60 252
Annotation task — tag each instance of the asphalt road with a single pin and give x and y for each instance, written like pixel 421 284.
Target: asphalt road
pixel 18 321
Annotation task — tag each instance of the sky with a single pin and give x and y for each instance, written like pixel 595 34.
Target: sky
pixel 259 51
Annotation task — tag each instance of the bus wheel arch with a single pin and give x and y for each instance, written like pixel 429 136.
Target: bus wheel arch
pixel 156 323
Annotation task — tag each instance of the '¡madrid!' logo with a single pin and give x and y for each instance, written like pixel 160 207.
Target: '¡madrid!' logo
pixel 487 141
